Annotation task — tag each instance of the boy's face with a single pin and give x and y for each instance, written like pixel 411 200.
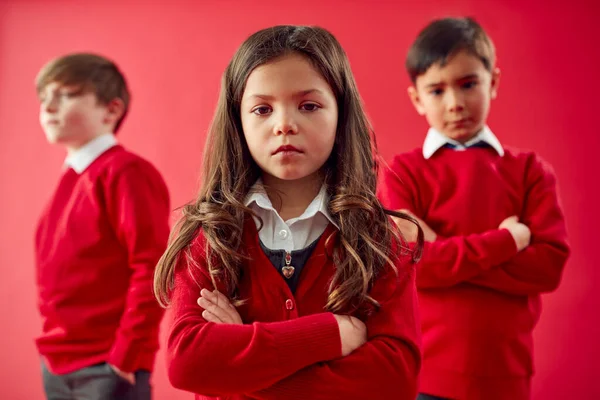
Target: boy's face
pixel 71 117
pixel 455 98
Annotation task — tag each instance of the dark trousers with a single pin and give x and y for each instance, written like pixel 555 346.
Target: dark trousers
pixel 423 396
pixel 98 382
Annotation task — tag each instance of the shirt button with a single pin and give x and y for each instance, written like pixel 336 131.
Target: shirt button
pixel 289 304
pixel 283 233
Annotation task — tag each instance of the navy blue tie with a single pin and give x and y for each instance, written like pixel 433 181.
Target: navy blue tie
pixel 480 143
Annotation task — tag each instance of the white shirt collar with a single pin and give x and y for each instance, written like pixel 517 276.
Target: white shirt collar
pixel 81 158
pixel 320 203
pixel 436 140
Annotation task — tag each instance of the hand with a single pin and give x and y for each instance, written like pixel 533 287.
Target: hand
pixel 409 230
pixel 217 308
pixel 520 232
pixel 353 333
pixel 128 376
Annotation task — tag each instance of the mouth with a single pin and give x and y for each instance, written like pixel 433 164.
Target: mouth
pixel 459 122
pixel 286 149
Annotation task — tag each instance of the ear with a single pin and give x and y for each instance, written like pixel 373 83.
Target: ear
pixel 495 83
pixel 114 111
pixel 413 94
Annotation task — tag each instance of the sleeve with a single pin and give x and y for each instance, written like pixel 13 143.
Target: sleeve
pixel 447 261
pixel 224 359
pixel 138 208
pixel 538 268
pixel 386 367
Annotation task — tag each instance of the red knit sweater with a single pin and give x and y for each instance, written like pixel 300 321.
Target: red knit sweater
pixel 479 297
pixel 97 244
pixel 289 347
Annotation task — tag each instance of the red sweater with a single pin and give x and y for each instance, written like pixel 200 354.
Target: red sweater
pixel 480 298
pixel 289 347
pixel 97 244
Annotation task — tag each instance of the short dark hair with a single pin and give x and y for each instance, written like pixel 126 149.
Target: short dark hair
pixel 443 38
pixel 94 73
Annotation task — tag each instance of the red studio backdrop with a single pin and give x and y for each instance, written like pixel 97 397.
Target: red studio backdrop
pixel 173 53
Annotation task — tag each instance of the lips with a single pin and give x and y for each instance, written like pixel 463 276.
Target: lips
pixel 288 148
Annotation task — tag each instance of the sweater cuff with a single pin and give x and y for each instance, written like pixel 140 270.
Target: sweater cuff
pixel 307 340
pixel 502 246
pixel 129 359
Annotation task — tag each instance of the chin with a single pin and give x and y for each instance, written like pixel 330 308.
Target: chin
pixel 461 136
pixel 289 175
pixel 52 139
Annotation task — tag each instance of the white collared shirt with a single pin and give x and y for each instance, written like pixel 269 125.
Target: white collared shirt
pixel 436 140
pixel 81 158
pixel 293 234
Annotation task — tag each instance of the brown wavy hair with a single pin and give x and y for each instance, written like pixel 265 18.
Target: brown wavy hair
pixel 366 234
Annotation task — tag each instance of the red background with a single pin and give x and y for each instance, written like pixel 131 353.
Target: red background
pixel 173 53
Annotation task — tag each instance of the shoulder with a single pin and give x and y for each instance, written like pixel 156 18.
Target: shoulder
pixel 191 260
pixel 404 164
pixel 402 255
pixel 122 159
pixel 395 278
pixel 118 163
pixel 533 165
pixel 409 157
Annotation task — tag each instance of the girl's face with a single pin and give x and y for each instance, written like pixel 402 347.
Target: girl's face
pixel 289 116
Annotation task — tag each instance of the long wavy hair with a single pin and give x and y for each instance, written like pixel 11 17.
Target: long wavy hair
pixel 366 234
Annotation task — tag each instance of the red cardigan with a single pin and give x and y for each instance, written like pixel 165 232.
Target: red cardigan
pixel 289 347
pixel 97 244
pixel 480 298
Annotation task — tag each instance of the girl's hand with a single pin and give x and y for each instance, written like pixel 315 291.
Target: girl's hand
pixel 353 333
pixel 217 308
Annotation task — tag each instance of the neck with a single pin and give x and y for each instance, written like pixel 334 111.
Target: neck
pixel 291 198
pixel 76 145
pixel 466 138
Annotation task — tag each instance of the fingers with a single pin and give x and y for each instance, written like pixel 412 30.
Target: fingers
pixel 128 376
pixel 214 310
pixel 223 300
pixel 512 218
pixel 509 221
pixel 406 211
pixel 217 308
pixel 210 317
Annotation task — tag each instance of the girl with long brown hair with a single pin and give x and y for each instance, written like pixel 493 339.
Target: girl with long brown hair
pixel 287 278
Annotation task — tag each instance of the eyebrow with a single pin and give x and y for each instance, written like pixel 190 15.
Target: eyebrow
pixel 302 93
pixel 463 78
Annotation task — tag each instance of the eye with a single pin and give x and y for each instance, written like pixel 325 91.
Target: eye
pixel 69 93
pixel 436 92
pixel 261 110
pixel 310 107
pixel 469 84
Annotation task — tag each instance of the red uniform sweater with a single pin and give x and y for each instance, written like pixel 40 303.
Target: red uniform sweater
pixel 289 347
pixel 97 245
pixel 480 298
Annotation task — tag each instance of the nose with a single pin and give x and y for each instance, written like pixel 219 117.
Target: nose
pixel 285 123
pixel 455 101
pixel 50 104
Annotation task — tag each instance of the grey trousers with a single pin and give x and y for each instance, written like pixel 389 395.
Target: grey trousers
pixel 97 382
